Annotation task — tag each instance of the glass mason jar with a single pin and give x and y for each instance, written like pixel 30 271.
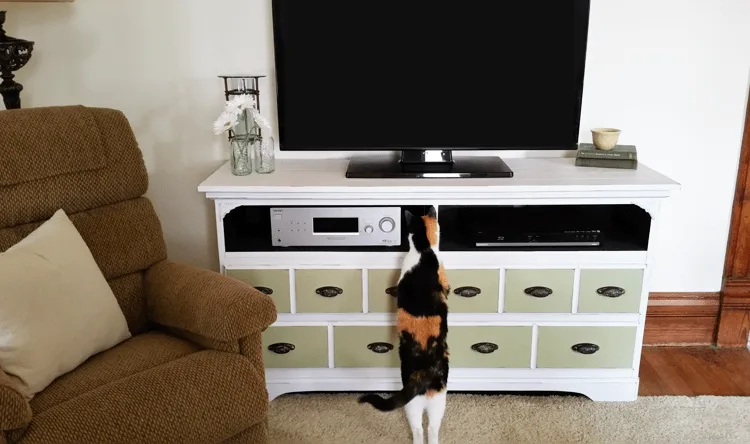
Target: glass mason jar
pixel 265 155
pixel 240 157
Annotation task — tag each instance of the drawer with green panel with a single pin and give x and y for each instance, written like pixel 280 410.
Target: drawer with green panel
pixel 295 347
pixel 382 290
pixel 490 347
pixel 274 283
pixel 328 291
pixel 473 291
pixel 366 346
pixel 539 291
pixel 610 291
pixel 586 347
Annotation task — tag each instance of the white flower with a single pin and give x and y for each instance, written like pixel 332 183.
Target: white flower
pixel 241 103
pixel 259 120
pixel 226 121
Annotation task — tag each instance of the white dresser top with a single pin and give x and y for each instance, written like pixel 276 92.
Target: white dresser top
pixel 533 176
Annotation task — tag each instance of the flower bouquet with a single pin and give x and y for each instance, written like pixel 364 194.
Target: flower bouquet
pixel 243 121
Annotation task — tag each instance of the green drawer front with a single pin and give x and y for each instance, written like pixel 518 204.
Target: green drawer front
pixel 559 281
pixel 275 283
pixel 594 282
pixel 513 347
pixel 310 282
pixel 616 347
pixel 488 283
pixel 310 347
pixel 365 347
pixel 378 282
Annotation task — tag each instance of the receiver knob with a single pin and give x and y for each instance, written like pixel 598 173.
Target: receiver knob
pixel 387 224
pixel 368 229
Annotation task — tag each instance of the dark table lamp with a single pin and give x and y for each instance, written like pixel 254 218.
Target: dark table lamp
pixel 14 54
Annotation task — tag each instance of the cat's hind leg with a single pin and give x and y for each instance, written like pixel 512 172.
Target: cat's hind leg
pixel 435 411
pixel 414 413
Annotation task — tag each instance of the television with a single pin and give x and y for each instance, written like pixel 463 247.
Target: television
pixel 426 78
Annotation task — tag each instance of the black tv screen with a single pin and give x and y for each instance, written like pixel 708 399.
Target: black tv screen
pixel 419 74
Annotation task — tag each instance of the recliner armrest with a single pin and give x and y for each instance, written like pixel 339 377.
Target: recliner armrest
pixel 15 411
pixel 205 302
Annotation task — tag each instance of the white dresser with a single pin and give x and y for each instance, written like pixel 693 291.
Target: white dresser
pixel 531 320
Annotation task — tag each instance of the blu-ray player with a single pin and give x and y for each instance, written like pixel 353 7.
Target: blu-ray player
pixel 567 238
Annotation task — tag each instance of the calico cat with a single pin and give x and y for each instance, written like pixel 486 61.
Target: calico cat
pixel 423 329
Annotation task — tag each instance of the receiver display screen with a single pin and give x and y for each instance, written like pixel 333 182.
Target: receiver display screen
pixel 324 225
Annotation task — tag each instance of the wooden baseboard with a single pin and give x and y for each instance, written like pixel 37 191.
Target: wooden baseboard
pixel 734 318
pixel 682 319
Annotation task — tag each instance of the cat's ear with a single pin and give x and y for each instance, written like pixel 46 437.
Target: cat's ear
pixel 432 212
pixel 409 218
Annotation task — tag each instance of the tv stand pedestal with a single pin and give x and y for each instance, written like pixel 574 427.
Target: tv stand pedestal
pixel 414 164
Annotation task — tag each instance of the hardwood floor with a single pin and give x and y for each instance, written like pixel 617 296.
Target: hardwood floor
pixel 694 371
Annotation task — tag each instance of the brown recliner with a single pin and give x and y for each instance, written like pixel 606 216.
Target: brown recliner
pixel 193 370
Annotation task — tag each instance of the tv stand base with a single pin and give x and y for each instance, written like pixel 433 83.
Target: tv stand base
pixel 426 164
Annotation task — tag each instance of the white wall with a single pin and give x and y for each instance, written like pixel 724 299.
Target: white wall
pixel 673 74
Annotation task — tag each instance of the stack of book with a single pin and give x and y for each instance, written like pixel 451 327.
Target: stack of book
pixel 621 156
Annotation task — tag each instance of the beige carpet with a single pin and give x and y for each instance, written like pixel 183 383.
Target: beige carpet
pixel 470 419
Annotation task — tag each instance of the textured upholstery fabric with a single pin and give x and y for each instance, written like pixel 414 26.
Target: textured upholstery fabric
pixel 123 178
pixel 255 434
pixel 133 356
pixel 155 387
pixel 205 303
pixel 165 404
pixel 15 412
pixel 128 290
pixel 81 152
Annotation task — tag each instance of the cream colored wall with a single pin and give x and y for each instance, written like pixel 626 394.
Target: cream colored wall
pixel 157 61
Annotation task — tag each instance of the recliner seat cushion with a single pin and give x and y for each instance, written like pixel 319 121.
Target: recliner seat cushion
pixel 227 390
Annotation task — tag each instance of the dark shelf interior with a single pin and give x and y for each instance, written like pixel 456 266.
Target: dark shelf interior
pixel 248 228
pixel 620 227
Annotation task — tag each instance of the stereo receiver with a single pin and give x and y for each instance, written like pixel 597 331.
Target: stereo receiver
pixel 335 226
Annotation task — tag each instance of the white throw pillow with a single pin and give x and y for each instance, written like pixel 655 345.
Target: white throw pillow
pixel 56 308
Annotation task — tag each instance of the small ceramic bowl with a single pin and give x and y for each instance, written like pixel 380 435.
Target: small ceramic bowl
pixel 605 138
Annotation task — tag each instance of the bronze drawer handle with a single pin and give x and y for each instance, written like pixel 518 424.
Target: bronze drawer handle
pixel 380 347
pixel 281 348
pixel 484 347
pixel 265 290
pixel 611 291
pixel 538 292
pixel 329 292
pixel 585 348
pixel 393 291
pixel 467 292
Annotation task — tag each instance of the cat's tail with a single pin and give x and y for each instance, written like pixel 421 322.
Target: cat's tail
pixel 416 386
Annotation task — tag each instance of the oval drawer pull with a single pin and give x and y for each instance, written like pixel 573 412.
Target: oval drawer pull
pixel 484 347
pixel 265 290
pixel 585 348
pixel 329 292
pixel 467 292
pixel 281 348
pixel 393 291
pixel 538 292
pixel 611 291
pixel 380 347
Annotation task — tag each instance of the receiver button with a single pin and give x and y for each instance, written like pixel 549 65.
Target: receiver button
pixel 368 229
pixel 387 224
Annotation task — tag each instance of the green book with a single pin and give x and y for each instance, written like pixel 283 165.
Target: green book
pixel 623 152
pixel 625 164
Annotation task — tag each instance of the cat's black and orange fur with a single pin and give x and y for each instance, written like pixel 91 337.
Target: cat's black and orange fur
pixel 422 318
